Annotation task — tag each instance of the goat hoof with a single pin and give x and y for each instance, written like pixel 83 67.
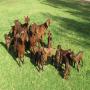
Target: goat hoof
pixel 65 78
pixel 23 63
pixel 19 65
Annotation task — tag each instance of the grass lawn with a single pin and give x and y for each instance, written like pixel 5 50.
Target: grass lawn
pixel 70 28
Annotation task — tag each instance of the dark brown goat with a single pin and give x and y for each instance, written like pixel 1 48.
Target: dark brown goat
pixel 32 39
pixel 39 59
pixel 58 56
pixel 67 68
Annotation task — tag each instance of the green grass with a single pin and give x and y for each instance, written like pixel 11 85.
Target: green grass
pixel 70 28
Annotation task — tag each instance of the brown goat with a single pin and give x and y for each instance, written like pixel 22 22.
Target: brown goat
pixel 67 68
pixel 39 59
pixel 40 29
pixel 20 47
pixel 32 39
pixel 7 41
pixel 16 41
pixel 77 59
pixel 33 28
pixel 46 52
pixel 58 56
pixel 26 19
pixel 49 39
pixel 26 23
pixel 17 28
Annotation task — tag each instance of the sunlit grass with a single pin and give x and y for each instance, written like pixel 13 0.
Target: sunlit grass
pixel 68 28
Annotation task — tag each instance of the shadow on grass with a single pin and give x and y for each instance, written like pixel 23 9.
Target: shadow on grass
pixel 10 52
pixel 76 7
pixel 73 7
pixel 14 56
pixel 75 31
pixel 31 58
pixel 63 3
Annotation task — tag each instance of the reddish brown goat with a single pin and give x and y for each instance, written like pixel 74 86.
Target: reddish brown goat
pixel 40 29
pixel 21 48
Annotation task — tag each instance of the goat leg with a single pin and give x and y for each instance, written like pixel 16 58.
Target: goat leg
pixel 78 66
pixel 82 62
pixel 74 64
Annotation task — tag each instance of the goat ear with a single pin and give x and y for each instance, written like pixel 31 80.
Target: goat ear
pixel 24 16
pixel 48 22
